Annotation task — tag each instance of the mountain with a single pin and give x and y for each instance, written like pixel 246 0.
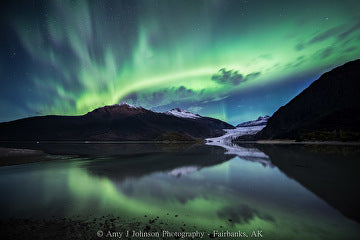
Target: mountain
pixel 119 122
pixel 258 122
pixel 329 109
pixel 177 112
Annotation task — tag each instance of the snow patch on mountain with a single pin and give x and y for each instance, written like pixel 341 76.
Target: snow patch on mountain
pixel 258 122
pixel 127 105
pixel 177 112
pixel 182 171
pixel 231 134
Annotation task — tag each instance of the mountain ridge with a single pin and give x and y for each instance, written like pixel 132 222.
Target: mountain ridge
pixel 329 109
pixel 119 122
pixel 258 122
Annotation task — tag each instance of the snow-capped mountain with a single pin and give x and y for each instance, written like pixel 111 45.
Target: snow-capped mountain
pixel 261 121
pixel 125 104
pixel 119 122
pixel 177 112
pixel 116 110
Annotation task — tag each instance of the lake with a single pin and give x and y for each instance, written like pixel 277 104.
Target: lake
pixel 277 191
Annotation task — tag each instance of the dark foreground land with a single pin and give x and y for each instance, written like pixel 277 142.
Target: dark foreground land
pixel 108 227
pixel 15 156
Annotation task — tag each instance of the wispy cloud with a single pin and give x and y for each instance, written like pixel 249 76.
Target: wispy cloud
pixel 233 77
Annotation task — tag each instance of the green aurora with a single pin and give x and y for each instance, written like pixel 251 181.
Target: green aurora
pixel 69 57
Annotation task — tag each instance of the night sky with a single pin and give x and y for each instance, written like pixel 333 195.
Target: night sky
pixel 233 60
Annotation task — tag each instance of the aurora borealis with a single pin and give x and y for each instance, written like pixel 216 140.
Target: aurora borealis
pixel 233 60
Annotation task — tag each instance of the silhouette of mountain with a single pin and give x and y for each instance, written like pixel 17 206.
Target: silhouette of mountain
pixel 329 109
pixel 119 122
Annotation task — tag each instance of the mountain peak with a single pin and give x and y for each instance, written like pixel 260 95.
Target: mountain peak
pixel 117 109
pixel 125 104
pixel 258 122
pixel 177 112
pixel 266 117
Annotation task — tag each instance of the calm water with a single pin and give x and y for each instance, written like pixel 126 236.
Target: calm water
pixel 208 188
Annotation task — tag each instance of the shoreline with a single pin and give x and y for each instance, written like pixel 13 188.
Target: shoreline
pixel 104 142
pixel 10 156
pixel 90 228
pixel 17 156
pixel 276 141
pixel 294 142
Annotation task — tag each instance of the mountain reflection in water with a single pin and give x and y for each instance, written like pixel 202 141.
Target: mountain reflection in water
pixel 206 187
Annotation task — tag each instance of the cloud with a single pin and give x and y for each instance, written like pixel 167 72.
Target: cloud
pixel 162 97
pixel 252 76
pixel 346 33
pixel 131 98
pixel 232 77
pixel 195 109
pixel 350 49
pixel 341 32
pixel 325 35
pixel 326 53
pixel 183 92
pixel 299 46
pixel 266 56
pixel 296 63
pixel 225 77
pixel 215 99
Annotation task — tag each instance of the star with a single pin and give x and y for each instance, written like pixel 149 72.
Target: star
pixel 13 55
